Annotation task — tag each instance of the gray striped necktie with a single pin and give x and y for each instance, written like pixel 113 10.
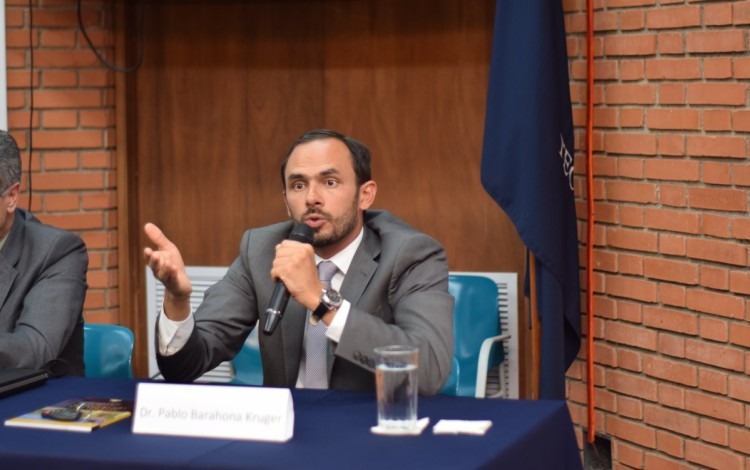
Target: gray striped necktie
pixel 316 342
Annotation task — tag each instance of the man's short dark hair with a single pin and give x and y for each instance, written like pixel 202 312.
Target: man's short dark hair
pixel 359 152
pixel 10 162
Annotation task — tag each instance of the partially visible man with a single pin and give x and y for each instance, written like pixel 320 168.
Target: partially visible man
pixel 42 282
pixel 385 283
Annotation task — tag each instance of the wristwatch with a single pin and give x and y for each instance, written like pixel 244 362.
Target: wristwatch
pixel 330 299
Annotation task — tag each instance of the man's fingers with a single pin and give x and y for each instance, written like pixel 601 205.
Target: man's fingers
pixel 156 236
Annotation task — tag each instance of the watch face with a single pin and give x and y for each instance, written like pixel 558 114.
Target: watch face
pixel 334 299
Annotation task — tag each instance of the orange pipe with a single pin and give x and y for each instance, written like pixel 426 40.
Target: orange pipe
pixel 590 220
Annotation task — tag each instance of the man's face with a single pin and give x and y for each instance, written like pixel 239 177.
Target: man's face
pixel 321 191
pixel 8 201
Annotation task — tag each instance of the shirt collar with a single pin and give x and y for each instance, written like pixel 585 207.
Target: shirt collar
pixel 344 258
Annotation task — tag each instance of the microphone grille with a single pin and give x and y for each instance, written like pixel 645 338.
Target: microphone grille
pixel 302 233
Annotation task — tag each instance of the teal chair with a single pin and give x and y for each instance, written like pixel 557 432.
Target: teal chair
pixel 107 350
pixel 248 368
pixel 476 330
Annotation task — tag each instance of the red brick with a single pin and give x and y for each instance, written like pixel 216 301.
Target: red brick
pixel 630 168
pixel 63 18
pixel 712 381
pixel 632 70
pixel 715 407
pixel 671 270
pixel 631 335
pixel 714 329
pixel 630 431
pixel 674 17
pixel 671 145
pixel 715 41
pixel 671 420
pixel 663 463
pixel 68 139
pixel 61 202
pixel 632 384
pixel 67 99
pixel 630 264
pixel 672 119
pixel 671 320
pixel 718 199
pixel 631 216
pixel 72 181
pixel 714 354
pixel 741 13
pixel 714 432
pixel 717 68
pixel 59 78
pixel 669 370
pixel 51 58
pixel 630 94
pixel 671 43
pixel 673 195
pixel 60 161
pixel 629 456
pixel 729 94
pixel 717 15
pixel 62 119
pixel 630 45
pixel 718 251
pixel 669 444
pixel 739 282
pixel 630 117
pixel 716 173
pixel 717 120
pixel 732 147
pixel 741 174
pixel 672 345
pixel 739 388
pixel 714 277
pixel 628 407
pixel 672 93
pixel 631 20
pixel 672 295
pixel 631 239
pixel 715 225
pixel 58 38
pixel 73 222
pixel 739 440
pixel 741 67
pixel 630 191
pixel 673 69
pixel 672 220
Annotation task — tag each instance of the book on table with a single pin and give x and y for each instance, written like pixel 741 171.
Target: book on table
pixel 79 414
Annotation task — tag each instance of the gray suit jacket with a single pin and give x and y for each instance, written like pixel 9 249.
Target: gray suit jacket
pixel 397 285
pixel 42 289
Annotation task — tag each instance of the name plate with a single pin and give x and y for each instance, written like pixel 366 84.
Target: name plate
pixel 227 412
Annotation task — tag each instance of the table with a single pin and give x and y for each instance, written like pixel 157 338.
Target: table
pixel 332 430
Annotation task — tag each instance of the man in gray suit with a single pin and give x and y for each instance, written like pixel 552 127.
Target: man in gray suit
pixel 42 282
pixel 389 285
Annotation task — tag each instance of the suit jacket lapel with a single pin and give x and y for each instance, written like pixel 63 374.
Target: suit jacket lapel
pixel 362 268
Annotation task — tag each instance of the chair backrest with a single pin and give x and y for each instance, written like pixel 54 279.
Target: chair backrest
pixel 475 318
pixel 248 367
pixel 107 350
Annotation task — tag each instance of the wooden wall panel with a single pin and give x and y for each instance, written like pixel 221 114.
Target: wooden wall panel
pixel 227 85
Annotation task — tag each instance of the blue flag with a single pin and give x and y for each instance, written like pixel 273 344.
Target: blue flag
pixel 527 167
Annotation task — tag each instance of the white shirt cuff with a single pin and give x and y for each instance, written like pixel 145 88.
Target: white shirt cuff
pixel 173 335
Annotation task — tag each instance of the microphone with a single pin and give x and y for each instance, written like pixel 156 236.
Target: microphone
pixel 300 233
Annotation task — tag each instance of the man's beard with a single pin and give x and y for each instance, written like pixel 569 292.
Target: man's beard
pixel 342 226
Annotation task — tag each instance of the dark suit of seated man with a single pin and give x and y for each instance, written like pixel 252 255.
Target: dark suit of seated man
pixel 389 284
pixel 42 282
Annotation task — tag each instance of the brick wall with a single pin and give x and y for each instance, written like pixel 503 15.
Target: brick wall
pixel 71 130
pixel 671 146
